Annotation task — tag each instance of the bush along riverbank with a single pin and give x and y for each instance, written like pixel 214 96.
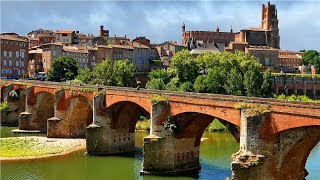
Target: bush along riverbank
pixel 143 124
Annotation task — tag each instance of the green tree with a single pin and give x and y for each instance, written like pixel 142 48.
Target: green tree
pixel 63 69
pixel 173 85
pixel 123 72
pixel 159 74
pixel 199 84
pixel 311 57
pixel 252 82
pixel 186 87
pixel 119 73
pixel 84 75
pixel 234 82
pixel 156 84
pixel 184 66
pixel 266 88
pixel 214 81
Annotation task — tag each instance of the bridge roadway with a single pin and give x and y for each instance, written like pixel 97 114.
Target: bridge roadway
pixel 275 136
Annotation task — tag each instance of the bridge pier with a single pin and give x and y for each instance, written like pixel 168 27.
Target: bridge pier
pixel 102 139
pixel 163 152
pixel 277 156
pixel 39 107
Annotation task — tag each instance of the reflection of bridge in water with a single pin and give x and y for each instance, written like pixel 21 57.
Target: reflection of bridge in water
pixel 273 144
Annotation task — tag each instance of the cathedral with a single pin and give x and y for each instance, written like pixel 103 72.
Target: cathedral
pixel 266 35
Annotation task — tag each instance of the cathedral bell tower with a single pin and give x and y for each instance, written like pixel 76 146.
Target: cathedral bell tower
pixel 269 22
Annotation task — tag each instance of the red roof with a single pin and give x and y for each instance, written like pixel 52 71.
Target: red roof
pixel 65 31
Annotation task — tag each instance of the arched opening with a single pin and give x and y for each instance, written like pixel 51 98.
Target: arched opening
pixel 211 150
pixel 79 116
pixel 42 111
pixel 124 116
pixel 303 141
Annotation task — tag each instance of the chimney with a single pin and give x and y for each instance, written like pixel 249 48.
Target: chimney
pixel 218 29
pixel 101 31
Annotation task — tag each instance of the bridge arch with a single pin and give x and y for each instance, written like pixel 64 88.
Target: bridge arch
pixel 230 115
pixel 125 115
pixel 294 153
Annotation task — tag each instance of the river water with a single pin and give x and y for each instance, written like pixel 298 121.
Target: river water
pixel 215 159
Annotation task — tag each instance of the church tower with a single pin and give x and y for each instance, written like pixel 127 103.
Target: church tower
pixel 269 22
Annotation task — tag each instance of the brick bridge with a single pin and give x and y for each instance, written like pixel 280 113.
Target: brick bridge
pixel 275 136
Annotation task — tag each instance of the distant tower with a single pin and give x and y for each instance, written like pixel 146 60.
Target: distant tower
pixel 269 22
pixel 269 17
pixel 217 29
pixel 183 38
pixel 183 27
pixel 101 31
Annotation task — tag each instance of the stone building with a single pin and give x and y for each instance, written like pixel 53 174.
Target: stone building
pixel 50 51
pixel 35 64
pixel 141 57
pixel 289 60
pixel 267 56
pixel 14 55
pixel 167 50
pixel 67 37
pixel 288 85
pixel 207 36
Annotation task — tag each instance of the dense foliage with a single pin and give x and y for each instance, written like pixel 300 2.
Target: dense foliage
pixel 119 73
pixel 311 57
pixel 221 73
pixel 63 69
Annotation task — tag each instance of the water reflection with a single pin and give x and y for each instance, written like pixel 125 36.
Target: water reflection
pixel 215 159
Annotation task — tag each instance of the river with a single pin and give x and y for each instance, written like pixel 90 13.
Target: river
pixel 215 159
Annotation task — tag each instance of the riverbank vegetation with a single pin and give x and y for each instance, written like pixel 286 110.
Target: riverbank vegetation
pixel 293 97
pixel 216 125
pixel 18 147
pixel 143 124
pixel 219 73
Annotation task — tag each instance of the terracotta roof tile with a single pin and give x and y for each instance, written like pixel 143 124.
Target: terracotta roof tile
pixel 13 38
pixel 65 31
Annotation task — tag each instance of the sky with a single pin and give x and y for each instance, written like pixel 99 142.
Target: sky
pixel 161 21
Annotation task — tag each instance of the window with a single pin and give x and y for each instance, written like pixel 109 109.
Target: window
pixel 4 53
pixel 19 72
pixel 17 63
pixel 22 54
pixel 22 64
pixel 10 71
pixel 10 63
pixel 10 53
pixel 5 62
pixel 2 71
pixel 17 54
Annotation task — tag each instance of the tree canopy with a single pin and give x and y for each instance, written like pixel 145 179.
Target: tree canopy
pixel 311 57
pixel 119 73
pixel 63 69
pixel 221 73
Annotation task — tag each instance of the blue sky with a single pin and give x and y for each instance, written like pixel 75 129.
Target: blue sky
pixel 161 20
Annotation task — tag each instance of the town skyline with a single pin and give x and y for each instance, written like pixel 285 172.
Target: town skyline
pixel 161 21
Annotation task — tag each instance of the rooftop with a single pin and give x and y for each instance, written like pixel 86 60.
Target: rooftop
pixel 65 31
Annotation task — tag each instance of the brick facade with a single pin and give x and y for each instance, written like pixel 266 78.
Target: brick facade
pixel 14 55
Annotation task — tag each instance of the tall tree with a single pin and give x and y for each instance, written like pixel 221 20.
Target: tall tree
pixel 266 88
pixel 119 73
pixel 84 75
pixel 311 57
pixel 214 81
pixel 184 66
pixel 252 82
pixel 234 82
pixel 123 73
pixel 63 69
